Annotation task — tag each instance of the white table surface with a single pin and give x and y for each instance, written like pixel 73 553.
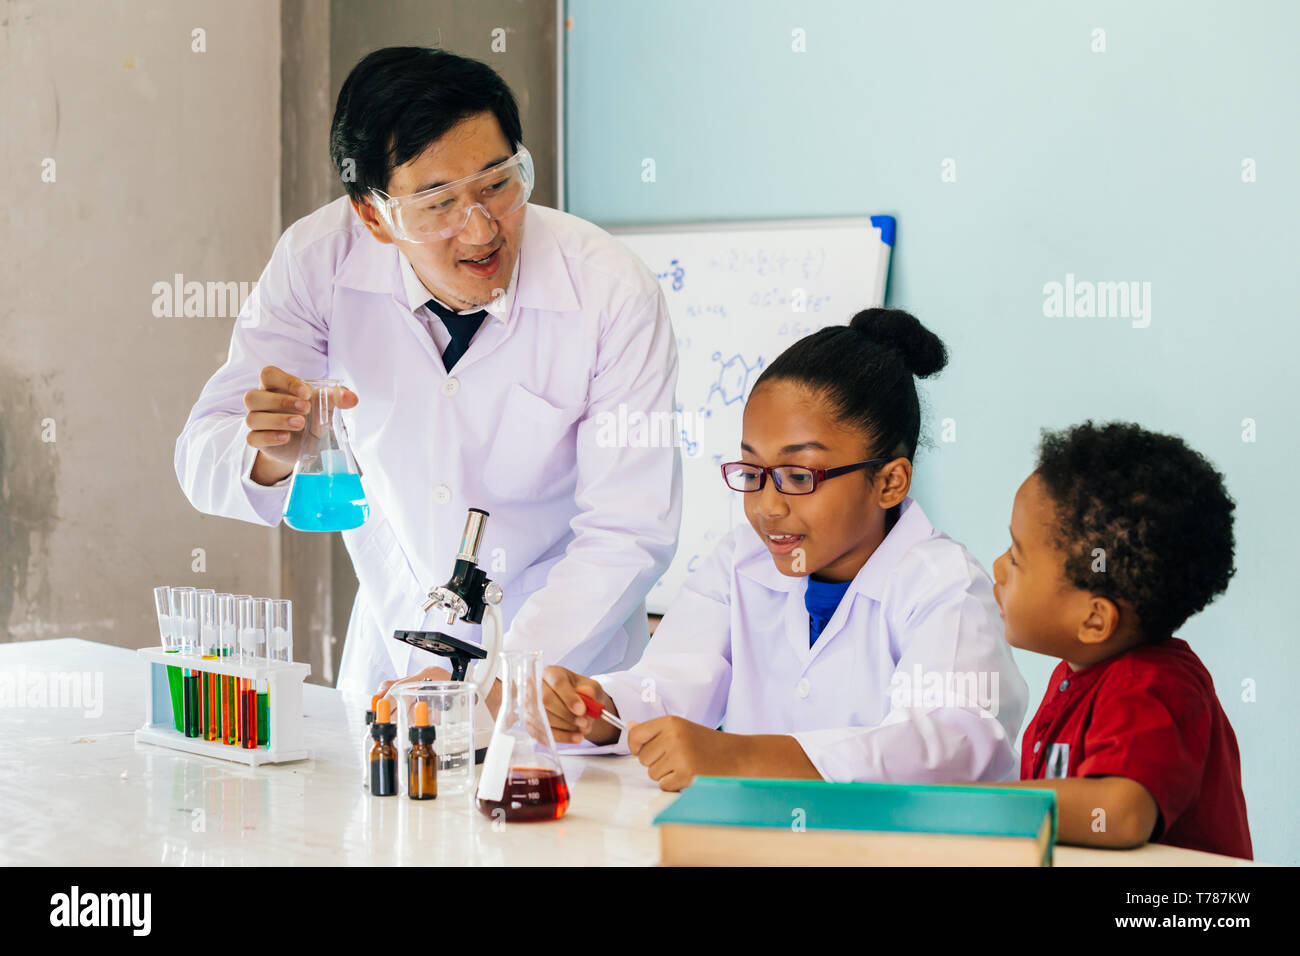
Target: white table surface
pixel 77 790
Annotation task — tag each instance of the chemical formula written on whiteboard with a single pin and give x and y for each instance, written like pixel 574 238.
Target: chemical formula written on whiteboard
pixel 789 300
pixel 796 329
pixel 735 375
pixel 805 264
pixel 677 273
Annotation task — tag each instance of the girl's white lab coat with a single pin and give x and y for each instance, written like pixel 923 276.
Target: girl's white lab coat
pixel 579 530
pixel 911 679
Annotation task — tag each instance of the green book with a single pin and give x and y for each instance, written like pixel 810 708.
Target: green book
pixel 737 821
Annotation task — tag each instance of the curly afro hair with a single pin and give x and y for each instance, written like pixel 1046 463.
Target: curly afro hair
pixel 1156 507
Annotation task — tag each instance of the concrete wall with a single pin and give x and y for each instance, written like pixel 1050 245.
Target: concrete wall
pixel 168 160
pixel 321 587
pixel 164 160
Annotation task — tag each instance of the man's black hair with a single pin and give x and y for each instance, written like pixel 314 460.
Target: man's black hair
pixel 399 100
pixel 1156 508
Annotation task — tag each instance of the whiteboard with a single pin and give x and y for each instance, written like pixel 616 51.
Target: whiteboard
pixel 740 294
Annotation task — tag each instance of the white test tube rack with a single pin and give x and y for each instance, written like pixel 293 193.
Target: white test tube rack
pixel 284 678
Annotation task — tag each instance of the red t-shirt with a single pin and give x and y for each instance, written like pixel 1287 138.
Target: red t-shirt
pixel 1149 714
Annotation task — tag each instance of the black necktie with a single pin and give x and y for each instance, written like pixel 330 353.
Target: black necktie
pixel 461 327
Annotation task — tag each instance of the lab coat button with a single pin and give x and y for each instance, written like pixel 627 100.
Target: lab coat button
pixel 803 688
pixel 1065 685
pixel 442 494
pixel 1038 745
pixel 451 386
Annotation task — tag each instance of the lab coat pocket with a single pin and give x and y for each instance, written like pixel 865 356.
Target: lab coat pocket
pixel 531 456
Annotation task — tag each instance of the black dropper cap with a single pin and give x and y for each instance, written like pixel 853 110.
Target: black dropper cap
pixel 423 735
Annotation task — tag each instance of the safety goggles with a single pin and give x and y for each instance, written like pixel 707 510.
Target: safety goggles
pixel 444 211
pixel 789 479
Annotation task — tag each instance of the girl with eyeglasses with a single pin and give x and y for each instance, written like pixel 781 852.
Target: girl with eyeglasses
pixel 837 634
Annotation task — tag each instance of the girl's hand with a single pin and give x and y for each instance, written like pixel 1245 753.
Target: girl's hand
pixel 675 751
pixel 566 711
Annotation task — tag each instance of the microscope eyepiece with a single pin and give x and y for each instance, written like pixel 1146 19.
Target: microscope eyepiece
pixel 475 522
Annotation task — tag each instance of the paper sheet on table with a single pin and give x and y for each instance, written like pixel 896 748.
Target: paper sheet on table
pixel 586 750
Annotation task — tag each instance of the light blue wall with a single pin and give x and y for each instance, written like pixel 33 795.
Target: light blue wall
pixel 1122 165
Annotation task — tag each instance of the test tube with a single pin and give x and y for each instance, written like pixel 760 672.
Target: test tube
pixel 280 645
pixel 185 630
pixel 247 640
pixel 281 642
pixel 185 620
pixel 244 627
pixel 208 651
pixel 226 647
pixel 162 599
pixel 262 630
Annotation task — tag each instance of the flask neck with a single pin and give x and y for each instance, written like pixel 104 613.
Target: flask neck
pixel 521 687
pixel 323 397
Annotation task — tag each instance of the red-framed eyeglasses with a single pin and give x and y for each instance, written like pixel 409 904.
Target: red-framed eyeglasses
pixel 789 479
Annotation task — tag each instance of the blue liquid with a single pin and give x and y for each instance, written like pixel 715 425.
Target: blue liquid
pixel 326 503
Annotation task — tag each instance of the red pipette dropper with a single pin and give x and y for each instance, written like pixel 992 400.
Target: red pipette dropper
pixel 596 710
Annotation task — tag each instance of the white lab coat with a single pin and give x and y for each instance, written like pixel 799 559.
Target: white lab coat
pixel 733 651
pixel 579 531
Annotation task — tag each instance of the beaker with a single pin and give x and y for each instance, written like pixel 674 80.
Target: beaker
pixel 325 493
pixel 522 780
pixel 451 713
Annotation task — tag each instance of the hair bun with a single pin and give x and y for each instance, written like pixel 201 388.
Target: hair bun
pixel 922 351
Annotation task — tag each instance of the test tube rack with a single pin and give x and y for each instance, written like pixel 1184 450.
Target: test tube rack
pixel 284 678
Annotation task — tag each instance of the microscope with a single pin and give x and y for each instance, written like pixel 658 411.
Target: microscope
pixel 468 595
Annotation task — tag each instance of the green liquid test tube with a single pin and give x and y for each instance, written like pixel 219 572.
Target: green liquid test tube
pixel 263 719
pixel 167 608
pixel 174 682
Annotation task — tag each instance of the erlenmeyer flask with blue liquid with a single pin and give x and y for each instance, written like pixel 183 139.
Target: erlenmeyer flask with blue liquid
pixel 325 493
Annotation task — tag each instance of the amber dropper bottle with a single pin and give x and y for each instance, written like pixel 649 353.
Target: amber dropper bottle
pixel 365 743
pixel 422 764
pixel 383 755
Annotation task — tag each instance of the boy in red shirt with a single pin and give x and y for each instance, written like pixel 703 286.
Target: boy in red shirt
pixel 1117 538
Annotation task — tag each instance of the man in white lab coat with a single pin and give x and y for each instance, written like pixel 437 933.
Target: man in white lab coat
pixel 483 341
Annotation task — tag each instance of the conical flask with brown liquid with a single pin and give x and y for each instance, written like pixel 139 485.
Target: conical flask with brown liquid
pixel 521 780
